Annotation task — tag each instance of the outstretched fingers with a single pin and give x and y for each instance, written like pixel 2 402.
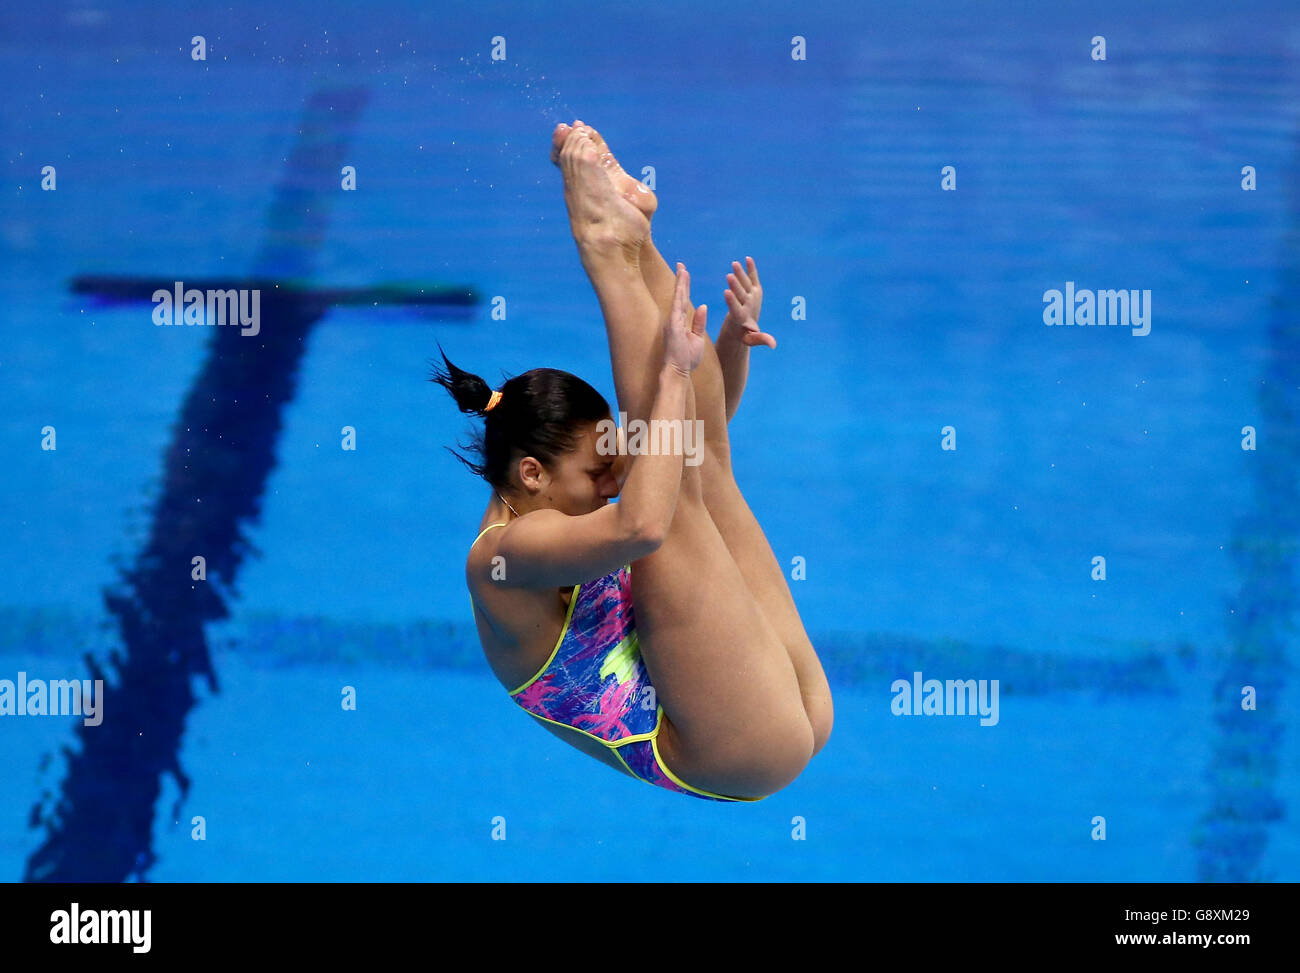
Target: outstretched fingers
pixel 744 280
pixel 681 301
pixel 744 298
pixel 700 324
pixel 684 342
pixel 681 296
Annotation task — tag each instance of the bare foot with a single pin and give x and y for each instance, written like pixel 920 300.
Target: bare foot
pixel 630 187
pixel 599 215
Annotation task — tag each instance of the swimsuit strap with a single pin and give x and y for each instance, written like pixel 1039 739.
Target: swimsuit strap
pixel 472 603
pixel 484 531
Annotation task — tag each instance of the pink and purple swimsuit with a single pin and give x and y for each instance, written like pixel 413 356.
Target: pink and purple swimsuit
pixel 596 683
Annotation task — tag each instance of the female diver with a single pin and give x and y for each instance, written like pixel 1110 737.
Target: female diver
pixel 710 687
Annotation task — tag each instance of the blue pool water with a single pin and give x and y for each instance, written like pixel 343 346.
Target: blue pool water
pixel 923 310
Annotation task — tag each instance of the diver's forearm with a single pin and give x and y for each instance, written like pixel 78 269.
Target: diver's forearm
pixel 655 479
pixel 733 356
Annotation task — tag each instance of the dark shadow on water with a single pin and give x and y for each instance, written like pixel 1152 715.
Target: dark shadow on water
pixel 1232 835
pixel 223 449
pixel 215 470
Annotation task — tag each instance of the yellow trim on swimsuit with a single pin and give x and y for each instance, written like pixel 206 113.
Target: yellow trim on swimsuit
pixel 568 617
pixel 653 737
pixel 637 738
pixel 654 743
pixel 484 531
pixel 623 661
pixel 472 604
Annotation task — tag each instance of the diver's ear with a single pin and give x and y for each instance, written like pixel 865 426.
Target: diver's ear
pixel 532 475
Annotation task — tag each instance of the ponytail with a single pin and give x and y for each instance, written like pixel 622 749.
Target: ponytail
pixel 539 413
pixel 471 393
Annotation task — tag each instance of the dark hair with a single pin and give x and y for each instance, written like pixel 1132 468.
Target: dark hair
pixel 540 414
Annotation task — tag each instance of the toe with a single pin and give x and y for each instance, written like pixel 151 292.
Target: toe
pixel 558 138
pixel 586 150
pixel 603 147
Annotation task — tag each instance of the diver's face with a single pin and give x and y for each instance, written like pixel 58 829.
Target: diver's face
pixel 583 480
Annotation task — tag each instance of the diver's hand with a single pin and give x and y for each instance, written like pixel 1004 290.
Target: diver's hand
pixel 744 303
pixel 684 341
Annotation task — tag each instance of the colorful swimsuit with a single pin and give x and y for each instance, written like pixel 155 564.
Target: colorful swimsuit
pixel 595 682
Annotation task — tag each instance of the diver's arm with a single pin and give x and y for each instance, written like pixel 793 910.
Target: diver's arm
pixel 733 356
pixel 548 548
pixel 739 331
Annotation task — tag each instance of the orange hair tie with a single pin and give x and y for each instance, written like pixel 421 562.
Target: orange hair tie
pixel 496 397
